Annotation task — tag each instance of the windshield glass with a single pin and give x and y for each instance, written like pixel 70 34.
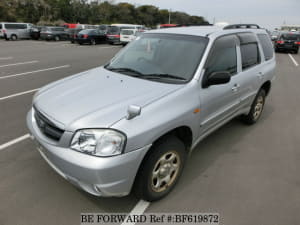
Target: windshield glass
pixel 165 57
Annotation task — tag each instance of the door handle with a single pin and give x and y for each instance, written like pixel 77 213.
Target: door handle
pixel 235 88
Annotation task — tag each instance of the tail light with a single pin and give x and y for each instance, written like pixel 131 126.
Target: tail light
pixel 4 31
pixel 297 42
pixel 85 36
pixel 114 35
pixel 280 42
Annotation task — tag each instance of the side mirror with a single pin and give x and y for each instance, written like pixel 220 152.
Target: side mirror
pixel 217 78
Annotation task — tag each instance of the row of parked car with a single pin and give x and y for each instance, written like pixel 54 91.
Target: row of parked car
pixel 288 41
pixel 77 33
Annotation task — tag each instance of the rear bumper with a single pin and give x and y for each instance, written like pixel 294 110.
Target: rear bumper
pixel 100 176
pixel 113 40
pixel 287 47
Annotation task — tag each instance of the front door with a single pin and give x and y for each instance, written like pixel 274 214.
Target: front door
pixel 220 102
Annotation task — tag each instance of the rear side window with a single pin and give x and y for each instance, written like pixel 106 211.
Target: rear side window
pixel 266 45
pixel 249 50
pixel 57 29
pixel 223 57
pixel 15 26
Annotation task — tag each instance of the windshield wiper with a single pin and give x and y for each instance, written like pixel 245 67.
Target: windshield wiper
pixel 163 76
pixel 124 69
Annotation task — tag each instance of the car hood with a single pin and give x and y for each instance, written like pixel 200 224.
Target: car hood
pixel 96 98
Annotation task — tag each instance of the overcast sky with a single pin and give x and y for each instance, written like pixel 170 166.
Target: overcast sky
pixel 267 13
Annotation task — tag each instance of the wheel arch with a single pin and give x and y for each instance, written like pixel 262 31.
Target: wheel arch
pixel 267 87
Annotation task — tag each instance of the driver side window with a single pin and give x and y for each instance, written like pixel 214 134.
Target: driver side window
pixel 223 57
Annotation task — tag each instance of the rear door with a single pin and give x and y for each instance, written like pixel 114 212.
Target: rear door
pixel 252 69
pixel 220 102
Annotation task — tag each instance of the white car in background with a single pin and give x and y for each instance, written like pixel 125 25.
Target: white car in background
pixel 128 35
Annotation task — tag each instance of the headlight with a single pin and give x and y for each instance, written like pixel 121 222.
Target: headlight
pixel 98 142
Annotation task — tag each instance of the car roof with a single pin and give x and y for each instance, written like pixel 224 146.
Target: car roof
pixel 204 31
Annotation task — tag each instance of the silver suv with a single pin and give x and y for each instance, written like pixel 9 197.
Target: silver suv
pixel 132 123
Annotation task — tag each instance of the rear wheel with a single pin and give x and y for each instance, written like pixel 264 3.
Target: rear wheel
pixel 13 37
pixel 256 108
pixel 160 169
pixel 93 42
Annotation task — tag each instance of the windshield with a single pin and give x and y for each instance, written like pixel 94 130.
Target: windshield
pixel 169 58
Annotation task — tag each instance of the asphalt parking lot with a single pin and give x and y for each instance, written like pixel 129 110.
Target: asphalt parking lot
pixel 247 174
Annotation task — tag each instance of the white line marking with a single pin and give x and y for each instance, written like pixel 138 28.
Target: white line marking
pixel 12 142
pixel 36 71
pixel 18 94
pixel 139 209
pixel 6 58
pixel 294 61
pixel 22 63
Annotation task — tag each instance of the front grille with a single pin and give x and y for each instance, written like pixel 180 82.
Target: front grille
pixel 49 129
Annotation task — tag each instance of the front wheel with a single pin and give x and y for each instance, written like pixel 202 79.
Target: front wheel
pixel 256 108
pixel 160 169
pixel 56 38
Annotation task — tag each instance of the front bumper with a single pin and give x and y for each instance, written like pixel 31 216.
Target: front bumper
pixel 100 176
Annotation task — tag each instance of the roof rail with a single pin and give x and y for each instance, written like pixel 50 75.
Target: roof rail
pixel 242 26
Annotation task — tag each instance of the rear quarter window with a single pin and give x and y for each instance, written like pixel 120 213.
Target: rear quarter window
pixel 266 46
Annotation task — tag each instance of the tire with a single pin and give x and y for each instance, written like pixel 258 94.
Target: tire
pixel 93 42
pixel 56 38
pixel 13 37
pixel 256 108
pixel 160 169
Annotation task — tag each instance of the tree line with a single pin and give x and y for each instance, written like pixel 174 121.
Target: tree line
pixel 56 12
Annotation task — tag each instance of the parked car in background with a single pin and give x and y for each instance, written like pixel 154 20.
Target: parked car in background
pixel 73 34
pixel 54 33
pixel 14 31
pixel 274 35
pixel 114 31
pixel 35 32
pixel 103 28
pixel 90 36
pixel 75 30
pixel 128 35
pixel 130 125
pixel 288 42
